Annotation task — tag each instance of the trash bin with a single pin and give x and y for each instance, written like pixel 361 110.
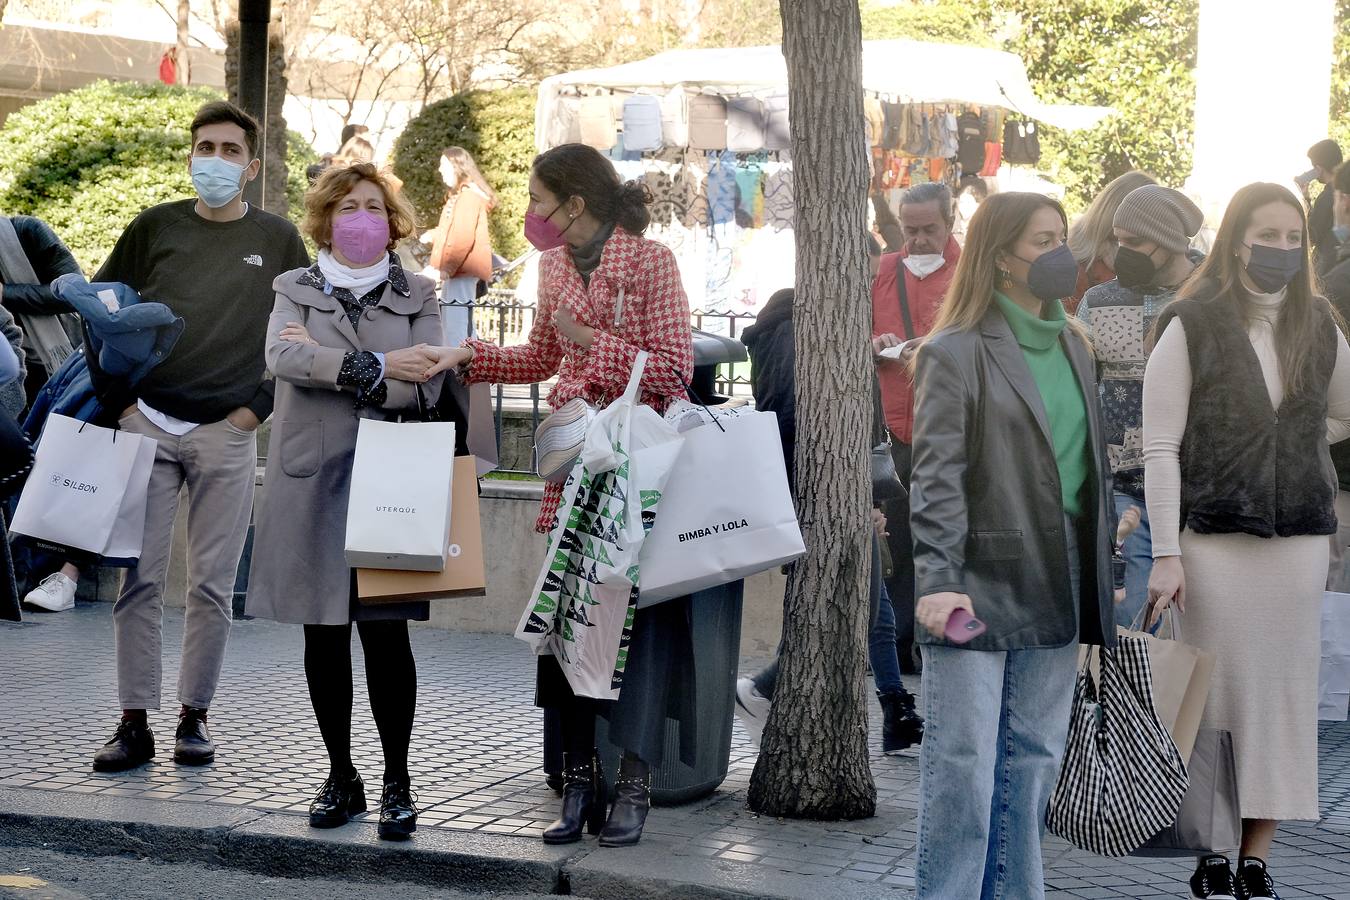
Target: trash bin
pixel 715 616
pixel 711 351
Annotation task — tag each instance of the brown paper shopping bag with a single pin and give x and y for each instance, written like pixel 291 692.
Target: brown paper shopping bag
pixel 463 575
pixel 1181 675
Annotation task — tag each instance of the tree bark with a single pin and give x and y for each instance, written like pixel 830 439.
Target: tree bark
pixel 184 22
pixel 274 175
pixel 813 760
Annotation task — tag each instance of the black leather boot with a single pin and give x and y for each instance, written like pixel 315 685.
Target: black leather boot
pixel 340 798
pixel 583 801
pixel 901 725
pixel 632 799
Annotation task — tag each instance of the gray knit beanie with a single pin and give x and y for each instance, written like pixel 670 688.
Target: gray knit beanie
pixel 1165 216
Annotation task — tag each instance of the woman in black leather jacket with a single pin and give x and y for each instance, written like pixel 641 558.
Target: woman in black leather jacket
pixel 1010 509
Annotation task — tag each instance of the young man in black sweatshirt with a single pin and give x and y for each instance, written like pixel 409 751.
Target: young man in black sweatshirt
pixel 212 261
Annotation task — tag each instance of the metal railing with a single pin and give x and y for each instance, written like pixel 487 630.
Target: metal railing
pixel 502 317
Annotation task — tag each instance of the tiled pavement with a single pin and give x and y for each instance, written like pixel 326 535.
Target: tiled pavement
pixel 475 760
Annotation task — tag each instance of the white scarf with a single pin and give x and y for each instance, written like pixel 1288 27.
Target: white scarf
pixel 358 281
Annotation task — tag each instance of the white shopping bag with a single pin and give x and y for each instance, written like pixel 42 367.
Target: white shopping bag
pixel 726 512
pixel 1333 680
pixel 81 475
pixel 398 511
pixel 128 532
pixel 583 602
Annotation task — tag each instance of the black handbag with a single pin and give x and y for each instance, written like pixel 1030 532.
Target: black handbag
pixel 886 483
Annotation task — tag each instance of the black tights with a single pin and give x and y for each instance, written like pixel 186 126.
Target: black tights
pixel 391 680
pixel 577 716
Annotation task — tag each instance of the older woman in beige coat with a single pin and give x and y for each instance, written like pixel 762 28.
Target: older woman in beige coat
pixel 347 340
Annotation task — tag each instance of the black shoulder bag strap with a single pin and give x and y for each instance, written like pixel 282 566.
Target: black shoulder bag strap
pixel 903 293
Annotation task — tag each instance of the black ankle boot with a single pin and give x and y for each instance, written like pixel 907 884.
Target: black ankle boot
pixel 583 801
pixel 632 799
pixel 901 725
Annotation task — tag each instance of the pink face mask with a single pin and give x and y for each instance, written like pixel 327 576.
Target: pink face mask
pixel 361 236
pixel 542 233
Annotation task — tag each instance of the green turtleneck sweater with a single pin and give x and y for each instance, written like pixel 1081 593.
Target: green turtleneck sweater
pixel 1063 399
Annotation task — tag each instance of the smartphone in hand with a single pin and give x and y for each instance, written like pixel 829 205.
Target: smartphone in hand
pixel 962 627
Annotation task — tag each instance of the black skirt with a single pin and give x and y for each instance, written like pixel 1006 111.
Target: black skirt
pixel 658 684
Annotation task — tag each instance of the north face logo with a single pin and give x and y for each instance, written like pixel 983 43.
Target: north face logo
pixel 253 260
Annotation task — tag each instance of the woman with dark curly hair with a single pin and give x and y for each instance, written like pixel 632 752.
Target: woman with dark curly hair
pixel 605 293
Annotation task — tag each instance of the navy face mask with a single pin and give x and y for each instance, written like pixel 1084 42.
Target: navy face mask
pixel 1053 275
pixel 1271 269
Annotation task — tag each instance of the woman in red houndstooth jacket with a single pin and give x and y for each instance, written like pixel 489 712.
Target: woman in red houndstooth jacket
pixel 605 292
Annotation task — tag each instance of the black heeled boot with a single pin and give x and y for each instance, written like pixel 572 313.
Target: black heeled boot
pixel 583 803
pixel 632 799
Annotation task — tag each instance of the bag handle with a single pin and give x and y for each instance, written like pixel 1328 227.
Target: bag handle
pixel 1169 613
pixel 902 292
pixel 630 393
pixel 688 389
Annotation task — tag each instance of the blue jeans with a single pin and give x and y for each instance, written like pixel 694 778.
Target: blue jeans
pixel 994 733
pixel 881 645
pixel 1138 553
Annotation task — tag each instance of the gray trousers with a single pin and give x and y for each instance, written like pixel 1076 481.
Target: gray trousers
pixel 217 463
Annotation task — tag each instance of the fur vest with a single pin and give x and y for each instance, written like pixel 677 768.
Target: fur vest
pixel 1245 466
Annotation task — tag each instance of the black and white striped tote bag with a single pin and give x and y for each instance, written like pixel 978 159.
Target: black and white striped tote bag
pixel 1122 779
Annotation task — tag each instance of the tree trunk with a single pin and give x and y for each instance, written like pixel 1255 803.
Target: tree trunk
pixel 813 760
pixel 184 21
pixel 274 174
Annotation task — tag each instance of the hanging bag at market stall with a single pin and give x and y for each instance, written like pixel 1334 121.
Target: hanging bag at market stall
pixel 745 125
pixel 598 128
pixel 707 122
pixel 777 135
pixel 587 591
pixel 642 123
pixel 1021 144
pixel 675 118
pixel 721 520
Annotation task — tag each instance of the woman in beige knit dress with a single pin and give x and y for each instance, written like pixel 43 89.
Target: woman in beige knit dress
pixel 1249 380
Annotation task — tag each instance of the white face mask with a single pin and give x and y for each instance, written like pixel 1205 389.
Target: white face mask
pixel 924 264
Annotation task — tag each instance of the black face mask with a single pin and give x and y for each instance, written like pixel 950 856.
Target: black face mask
pixel 1053 275
pixel 1135 269
pixel 1271 269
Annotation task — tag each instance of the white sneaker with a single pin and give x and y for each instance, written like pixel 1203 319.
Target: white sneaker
pixel 752 707
pixel 56 593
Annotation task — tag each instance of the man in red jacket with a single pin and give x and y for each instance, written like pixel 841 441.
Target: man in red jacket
pixel 906 294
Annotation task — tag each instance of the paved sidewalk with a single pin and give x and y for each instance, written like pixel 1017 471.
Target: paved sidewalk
pixel 475 763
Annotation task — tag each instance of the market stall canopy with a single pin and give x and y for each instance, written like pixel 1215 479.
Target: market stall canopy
pixel 905 71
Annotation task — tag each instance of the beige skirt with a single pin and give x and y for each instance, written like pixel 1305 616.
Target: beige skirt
pixel 1256 603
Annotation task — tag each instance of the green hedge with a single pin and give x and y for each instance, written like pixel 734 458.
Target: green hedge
pixel 89 160
pixel 497 127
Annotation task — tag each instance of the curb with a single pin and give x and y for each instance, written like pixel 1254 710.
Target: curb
pixel 283 845
pixel 275 844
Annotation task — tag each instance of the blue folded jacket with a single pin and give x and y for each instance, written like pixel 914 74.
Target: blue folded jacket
pixel 130 336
